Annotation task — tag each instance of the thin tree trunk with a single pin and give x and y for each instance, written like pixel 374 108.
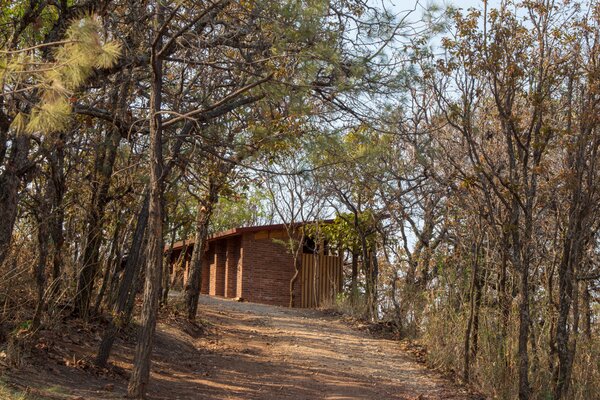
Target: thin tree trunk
pixel 136 287
pixel 9 186
pixel 130 281
pixel 118 322
pixel 58 212
pixel 292 282
pixel 565 282
pixel 505 302
pixel 192 286
pixel 572 254
pixel 40 268
pixel 297 267
pixel 399 319
pixel 179 266
pixel 111 265
pixel 166 270
pixel 132 265
pixel 354 278
pixel 143 351
pixel 366 259
pixel 106 155
pixel 587 309
pixel 478 294
pixel 118 266
pixel 374 279
pixel 524 390
pixel 471 319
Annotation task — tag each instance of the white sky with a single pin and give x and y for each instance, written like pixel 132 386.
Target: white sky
pixel 464 4
pixel 456 3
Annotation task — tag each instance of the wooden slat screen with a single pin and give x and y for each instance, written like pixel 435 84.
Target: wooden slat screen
pixel 321 279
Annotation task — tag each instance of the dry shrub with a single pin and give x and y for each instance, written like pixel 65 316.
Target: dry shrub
pixel 354 306
pixel 18 300
pixel 17 297
pixel 586 369
pixel 494 370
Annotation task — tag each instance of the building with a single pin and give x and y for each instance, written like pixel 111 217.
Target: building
pixel 254 264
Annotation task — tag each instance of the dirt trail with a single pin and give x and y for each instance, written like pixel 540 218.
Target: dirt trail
pixel 250 351
pixel 282 353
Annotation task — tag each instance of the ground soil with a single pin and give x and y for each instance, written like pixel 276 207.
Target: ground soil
pixel 237 351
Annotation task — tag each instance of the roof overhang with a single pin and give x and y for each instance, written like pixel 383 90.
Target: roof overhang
pixel 238 231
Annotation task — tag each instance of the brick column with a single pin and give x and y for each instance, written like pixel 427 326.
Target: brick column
pixel 186 270
pixel 207 259
pixel 232 258
pixel 212 274
pixel 240 273
pixel 246 268
pixel 221 261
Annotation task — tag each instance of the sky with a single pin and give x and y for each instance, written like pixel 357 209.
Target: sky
pixel 401 6
pixel 464 4
pixel 456 3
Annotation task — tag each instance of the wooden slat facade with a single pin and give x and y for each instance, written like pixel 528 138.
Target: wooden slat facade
pixel 321 279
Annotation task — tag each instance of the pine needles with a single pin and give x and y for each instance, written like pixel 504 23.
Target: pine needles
pixel 74 60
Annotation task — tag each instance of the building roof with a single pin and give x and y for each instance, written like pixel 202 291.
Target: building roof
pixel 237 231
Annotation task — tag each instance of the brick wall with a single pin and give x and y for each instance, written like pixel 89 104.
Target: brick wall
pixel 267 269
pixel 251 266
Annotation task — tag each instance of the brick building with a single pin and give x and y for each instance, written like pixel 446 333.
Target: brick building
pixel 252 263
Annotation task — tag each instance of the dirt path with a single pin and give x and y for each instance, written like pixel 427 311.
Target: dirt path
pixel 249 351
pixel 303 354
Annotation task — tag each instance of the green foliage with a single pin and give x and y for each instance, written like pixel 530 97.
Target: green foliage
pixel 75 58
pixel 343 232
pixel 237 210
pixel 12 11
pixel 52 116
pixel 23 326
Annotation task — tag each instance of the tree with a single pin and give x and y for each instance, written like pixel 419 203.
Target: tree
pixel 49 83
pixel 297 205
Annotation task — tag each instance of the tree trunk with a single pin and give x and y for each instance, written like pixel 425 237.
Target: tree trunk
pixel 57 160
pixel 143 351
pixel 399 318
pixel 478 294
pixel 471 320
pixel 565 283
pixel 40 268
pixel 366 260
pixel 354 278
pixel 192 286
pixel 111 265
pixel 297 266
pixel 166 270
pixel 10 179
pixel 118 267
pixel 180 266
pixel 105 160
pixel 374 279
pixel 505 300
pixel 132 265
pixel 292 282
pixel 130 281
pixel 587 309
pixel 524 336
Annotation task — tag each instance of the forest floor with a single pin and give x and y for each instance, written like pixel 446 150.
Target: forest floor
pixel 238 351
